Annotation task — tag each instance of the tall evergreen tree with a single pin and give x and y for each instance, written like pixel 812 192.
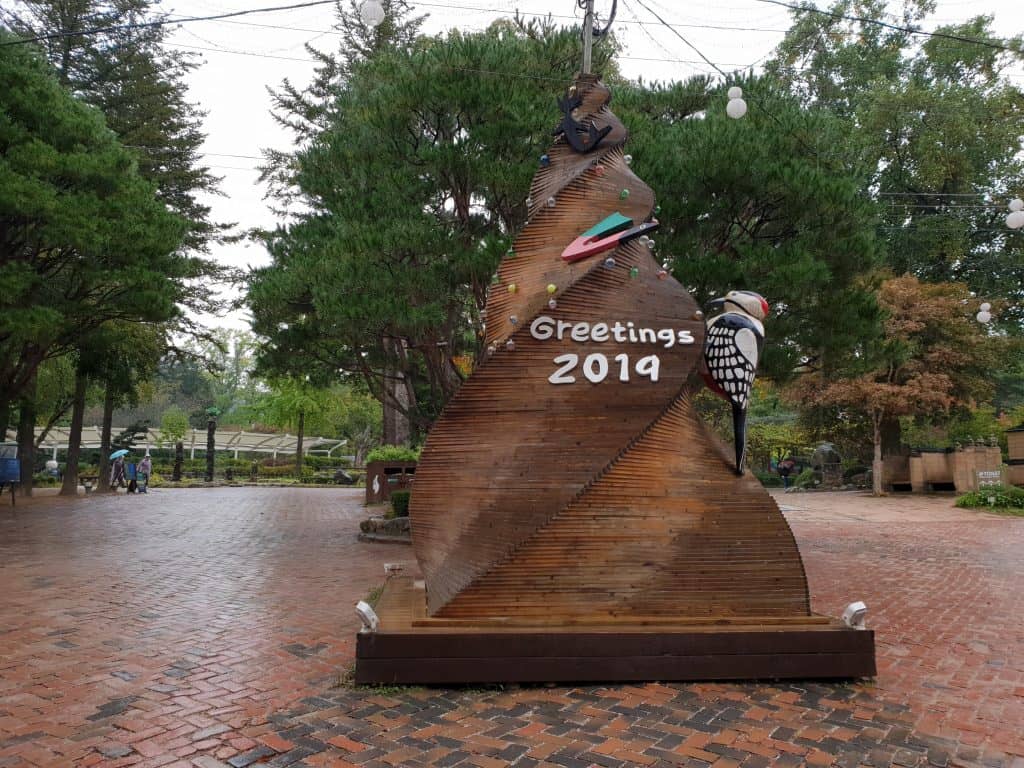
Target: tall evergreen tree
pixel 306 112
pixel 938 124
pixel 384 276
pixel 83 239
pixel 138 83
pixel 765 203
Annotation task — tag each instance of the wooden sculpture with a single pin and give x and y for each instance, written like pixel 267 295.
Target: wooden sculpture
pixel 572 516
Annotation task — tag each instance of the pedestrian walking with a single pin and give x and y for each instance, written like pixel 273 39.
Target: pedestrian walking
pixel 144 471
pixel 117 476
pixel 786 467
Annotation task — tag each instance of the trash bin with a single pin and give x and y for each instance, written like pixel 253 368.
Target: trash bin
pixel 383 477
pixel 10 467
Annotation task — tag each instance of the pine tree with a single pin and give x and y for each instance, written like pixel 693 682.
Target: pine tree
pixel 83 239
pixel 306 112
pixel 385 274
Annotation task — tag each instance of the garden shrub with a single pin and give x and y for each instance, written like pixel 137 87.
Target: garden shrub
pixel 805 479
pixel 769 479
pixel 393 453
pixel 1006 497
pixel 400 503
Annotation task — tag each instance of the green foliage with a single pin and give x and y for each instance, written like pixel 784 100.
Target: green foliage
pixel 393 453
pixel 769 479
pixel 767 203
pixel 373 596
pixel 173 425
pixel 963 426
pixel 805 479
pixel 387 272
pixel 86 240
pixel 997 498
pixel 400 502
pixel 937 123
pixel 288 400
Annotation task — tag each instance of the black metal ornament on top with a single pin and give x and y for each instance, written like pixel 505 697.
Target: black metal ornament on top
pixel 582 137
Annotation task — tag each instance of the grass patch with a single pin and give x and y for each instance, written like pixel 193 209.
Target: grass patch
pixel 373 596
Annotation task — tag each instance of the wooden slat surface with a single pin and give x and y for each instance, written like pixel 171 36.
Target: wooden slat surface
pixel 591 502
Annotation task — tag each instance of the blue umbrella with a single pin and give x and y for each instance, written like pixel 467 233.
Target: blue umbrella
pixel 119 453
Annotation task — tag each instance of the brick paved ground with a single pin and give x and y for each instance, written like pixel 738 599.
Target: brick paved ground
pixel 208 628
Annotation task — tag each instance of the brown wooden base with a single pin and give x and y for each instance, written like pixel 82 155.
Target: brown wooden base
pixel 415 650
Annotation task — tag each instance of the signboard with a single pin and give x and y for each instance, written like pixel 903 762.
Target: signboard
pixel 989 477
pixel 596 367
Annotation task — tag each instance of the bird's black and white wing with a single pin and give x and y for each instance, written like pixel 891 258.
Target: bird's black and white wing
pixel 732 352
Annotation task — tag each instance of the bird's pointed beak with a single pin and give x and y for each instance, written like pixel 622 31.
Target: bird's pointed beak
pixel 715 306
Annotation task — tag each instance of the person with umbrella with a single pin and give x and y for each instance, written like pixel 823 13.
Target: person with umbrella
pixel 117 476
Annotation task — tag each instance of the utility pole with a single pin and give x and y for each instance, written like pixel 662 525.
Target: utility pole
pixel 588 36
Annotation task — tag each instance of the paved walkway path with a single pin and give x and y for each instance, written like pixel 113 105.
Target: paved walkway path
pixel 209 628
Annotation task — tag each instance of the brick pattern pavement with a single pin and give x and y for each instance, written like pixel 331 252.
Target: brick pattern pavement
pixel 208 628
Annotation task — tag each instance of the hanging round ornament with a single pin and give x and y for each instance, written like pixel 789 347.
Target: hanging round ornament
pixel 510 345
pixel 552 304
pixel 736 107
pixel 371 13
pixel 609 263
pixel 624 194
pixel 634 273
pixel 552 287
pixel 512 288
pixel 545 161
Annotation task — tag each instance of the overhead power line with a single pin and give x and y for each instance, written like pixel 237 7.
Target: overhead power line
pixel 887 25
pixel 315 3
pixel 161 23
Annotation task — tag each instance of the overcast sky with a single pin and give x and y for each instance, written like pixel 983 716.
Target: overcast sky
pixel 243 56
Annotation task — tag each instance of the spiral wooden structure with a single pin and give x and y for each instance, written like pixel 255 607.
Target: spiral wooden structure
pixel 579 522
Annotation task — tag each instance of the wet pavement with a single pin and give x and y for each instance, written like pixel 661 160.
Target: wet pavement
pixel 212 628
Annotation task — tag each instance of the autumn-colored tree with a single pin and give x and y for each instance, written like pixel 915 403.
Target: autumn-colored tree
pixel 932 355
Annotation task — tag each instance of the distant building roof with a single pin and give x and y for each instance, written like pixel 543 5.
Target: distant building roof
pixel 224 440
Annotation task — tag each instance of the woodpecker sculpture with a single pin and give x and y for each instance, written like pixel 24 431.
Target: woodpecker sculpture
pixel 732 349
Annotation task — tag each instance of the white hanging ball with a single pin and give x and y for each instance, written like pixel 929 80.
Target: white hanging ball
pixel 1015 220
pixel 985 307
pixel 1017 204
pixel 983 317
pixel 371 12
pixel 735 92
pixel 736 108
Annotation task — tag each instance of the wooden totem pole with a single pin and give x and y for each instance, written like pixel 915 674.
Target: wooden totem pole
pixel 573 517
